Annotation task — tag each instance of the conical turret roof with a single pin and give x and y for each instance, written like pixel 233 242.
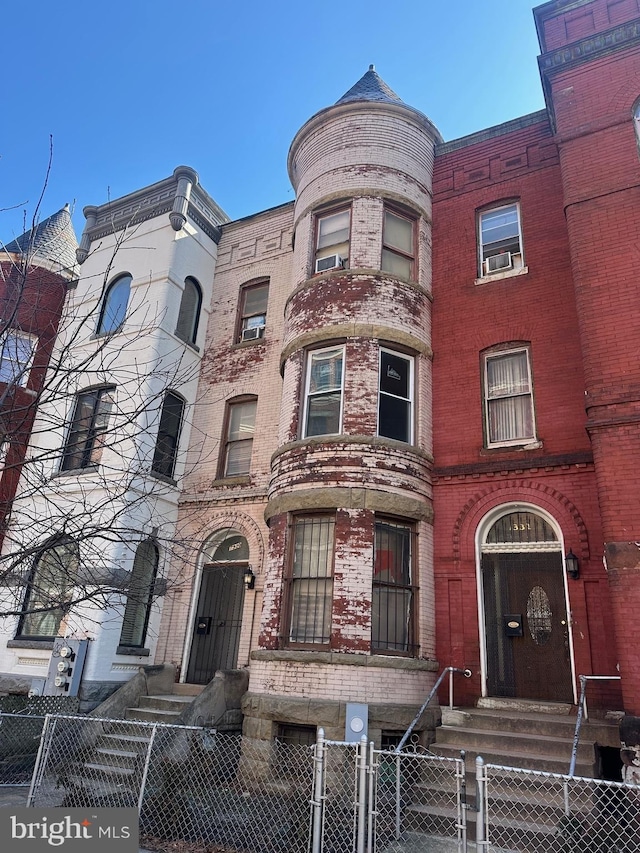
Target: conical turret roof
pixel 371 87
pixel 52 240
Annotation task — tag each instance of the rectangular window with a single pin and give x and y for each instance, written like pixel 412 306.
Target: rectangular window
pixel 398 253
pixel 395 398
pixel 16 356
pixel 310 580
pixel 392 618
pixel 241 424
pixel 323 392
pixel 500 240
pixel 332 240
pixel 88 429
pixel 509 398
pixel 253 312
pixel 166 450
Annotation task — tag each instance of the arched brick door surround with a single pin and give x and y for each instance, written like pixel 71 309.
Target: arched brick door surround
pixel 525 491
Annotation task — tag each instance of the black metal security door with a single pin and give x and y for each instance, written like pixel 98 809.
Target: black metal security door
pixel 218 623
pixel 526 626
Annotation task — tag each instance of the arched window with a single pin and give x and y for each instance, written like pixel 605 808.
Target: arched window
pixel 140 595
pixel 166 450
pixel 189 314
pixel 49 589
pixel 114 306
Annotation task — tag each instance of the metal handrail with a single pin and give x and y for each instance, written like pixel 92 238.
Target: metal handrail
pixel 448 669
pixel 582 710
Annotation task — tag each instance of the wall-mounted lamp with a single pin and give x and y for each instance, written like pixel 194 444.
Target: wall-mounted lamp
pixel 573 566
pixel 249 578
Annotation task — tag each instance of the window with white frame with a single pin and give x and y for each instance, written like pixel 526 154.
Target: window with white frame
pixel 636 122
pixel 392 606
pixel 323 392
pixel 310 580
pixel 395 396
pixel 16 357
pixel 332 240
pixel 253 312
pixel 398 244
pixel 240 429
pixel 500 239
pixel 509 410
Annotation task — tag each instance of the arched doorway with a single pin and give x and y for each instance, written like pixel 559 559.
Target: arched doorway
pixel 527 640
pixel 216 630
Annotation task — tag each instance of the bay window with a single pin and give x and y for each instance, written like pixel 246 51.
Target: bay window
pixel 332 240
pixel 398 244
pixel 392 607
pixel 395 398
pixel 323 392
pixel 310 580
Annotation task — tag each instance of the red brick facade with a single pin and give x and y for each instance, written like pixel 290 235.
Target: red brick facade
pixel 575 311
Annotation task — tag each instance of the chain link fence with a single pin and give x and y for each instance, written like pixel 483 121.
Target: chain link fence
pixel 189 783
pixel 417 795
pixel 527 811
pixel 21 721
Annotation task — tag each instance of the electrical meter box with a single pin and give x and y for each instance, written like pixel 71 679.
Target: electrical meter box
pixel 356 722
pixel 65 668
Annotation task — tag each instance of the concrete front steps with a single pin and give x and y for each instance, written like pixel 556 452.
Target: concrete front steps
pixel 165 707
pixel 515 733
pixel 532 736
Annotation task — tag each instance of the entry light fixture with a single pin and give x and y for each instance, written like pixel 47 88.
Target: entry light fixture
pixel 249 578
pixel 573 566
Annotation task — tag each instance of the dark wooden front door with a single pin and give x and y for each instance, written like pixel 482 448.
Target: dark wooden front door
pixel 526 626
pixel 218 622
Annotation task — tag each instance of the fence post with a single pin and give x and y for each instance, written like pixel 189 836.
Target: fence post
pixel 362 793
pixel 371 812
pixel 481 792
pixel 398 793
pixel 41 757
pixel 318 786
pixel 145 770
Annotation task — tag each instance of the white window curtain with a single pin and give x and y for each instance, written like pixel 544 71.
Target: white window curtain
pixel 509 399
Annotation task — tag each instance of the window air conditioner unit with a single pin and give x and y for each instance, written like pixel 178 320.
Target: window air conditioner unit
pixel 252 333
pixel 331 262
pixel 498 263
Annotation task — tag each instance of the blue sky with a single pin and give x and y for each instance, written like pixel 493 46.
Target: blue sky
pixel 129 90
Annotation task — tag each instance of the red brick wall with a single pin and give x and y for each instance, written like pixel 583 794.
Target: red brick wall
pixel 470 315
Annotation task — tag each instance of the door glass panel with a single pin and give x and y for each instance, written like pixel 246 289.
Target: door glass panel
pixel 539 616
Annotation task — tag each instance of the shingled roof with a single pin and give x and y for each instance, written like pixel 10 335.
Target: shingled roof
pixel 370 87
pixel 53 240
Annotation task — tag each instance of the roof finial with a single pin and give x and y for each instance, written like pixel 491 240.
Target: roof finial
pixel 372 67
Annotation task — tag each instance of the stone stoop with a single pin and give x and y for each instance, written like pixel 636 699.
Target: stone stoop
pixel 510 733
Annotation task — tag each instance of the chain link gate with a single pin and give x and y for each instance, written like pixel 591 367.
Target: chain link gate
pixel 528 811
pixel 367 800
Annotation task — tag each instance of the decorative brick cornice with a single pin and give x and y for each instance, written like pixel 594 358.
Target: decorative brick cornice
pixel 530 460
pixel 592 47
